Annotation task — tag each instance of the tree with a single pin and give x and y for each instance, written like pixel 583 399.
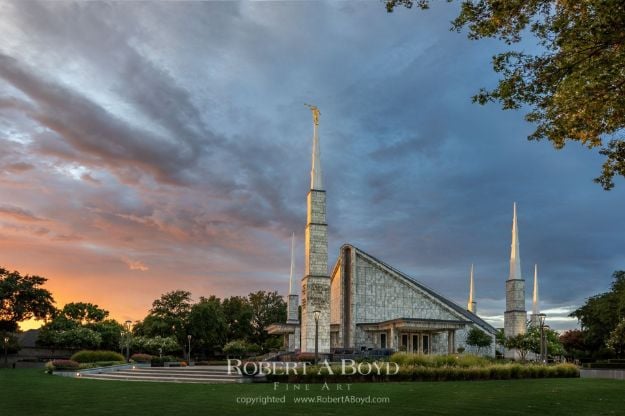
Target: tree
pixel 574 86
pixel 552 341
pixel 478 338
pixel 600 315
pixel 110 332
pixel 207 325
pixel 81 325
pixel 74 338
pixel 521 343
pixel 616 341
pixel 23 298
pixel 169 315
pixel 267 308
pixel 238 315
pixel 573 343
pixel 83 313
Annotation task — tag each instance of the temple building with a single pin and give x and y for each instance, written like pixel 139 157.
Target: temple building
pixel 363 303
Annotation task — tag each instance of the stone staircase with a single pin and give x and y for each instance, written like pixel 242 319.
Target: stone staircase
pixel 208 374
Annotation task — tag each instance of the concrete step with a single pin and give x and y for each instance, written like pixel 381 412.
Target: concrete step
pixel 170 374
pixel 190 370
pixel 173 374
pixel 123 377
pixel 178 370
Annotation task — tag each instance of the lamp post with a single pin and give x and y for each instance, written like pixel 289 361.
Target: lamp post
pixel 6 352
pixel 316 314
pixel 189 357
pixel 127 326
pixel 545 347
pixel 541 321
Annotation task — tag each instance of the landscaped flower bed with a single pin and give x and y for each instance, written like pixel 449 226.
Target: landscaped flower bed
pixel 412 367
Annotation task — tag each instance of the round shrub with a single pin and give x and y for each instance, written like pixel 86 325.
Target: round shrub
pixel 141 358
pixel 87 356
pixel 65 365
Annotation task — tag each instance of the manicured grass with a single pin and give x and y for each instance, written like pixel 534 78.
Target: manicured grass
pixel 31 392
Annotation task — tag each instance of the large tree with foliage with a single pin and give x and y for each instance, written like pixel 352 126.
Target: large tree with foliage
pixel 23 298
pixel 168 316
pixel 574 344
pixel 552 341
pixel 207 326
pixel 267 308
pixel 574 86
pixel 83 313
pixel 616 341
pixel 81 325
pixel 600 315
pixel 238 315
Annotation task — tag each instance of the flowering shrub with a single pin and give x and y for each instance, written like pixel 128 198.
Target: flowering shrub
pixel 62 365
pixel 235 348
pixel 152 345
pixel 141 358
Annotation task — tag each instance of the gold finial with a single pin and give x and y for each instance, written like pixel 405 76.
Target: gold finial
pixel 315 113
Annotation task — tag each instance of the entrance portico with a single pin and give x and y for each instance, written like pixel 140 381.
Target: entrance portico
pixel 415 335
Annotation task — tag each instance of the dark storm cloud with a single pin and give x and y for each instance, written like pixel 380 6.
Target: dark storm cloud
pixel 172 138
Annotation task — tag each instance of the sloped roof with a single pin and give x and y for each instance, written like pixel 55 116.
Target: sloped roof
pixel 460 310
pixel 29 338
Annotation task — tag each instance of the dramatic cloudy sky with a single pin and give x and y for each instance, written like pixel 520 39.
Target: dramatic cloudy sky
pixel 147 147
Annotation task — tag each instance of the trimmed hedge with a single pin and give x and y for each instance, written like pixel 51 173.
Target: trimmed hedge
pixel 87 356
pixel 97 364
pixel 609 365
pixel 446 373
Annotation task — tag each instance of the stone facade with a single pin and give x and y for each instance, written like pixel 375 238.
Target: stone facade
pixel 292 309
pixel 515 316
pixel 316 238
pixel 316 283
pixel 365 292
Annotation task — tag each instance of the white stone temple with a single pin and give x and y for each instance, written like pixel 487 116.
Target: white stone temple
pixel 365 304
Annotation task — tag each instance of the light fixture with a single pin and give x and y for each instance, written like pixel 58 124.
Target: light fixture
pixel 317 315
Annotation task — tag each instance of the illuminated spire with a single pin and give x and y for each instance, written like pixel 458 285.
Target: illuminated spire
pixel 470 303
pixel 316 180
pixel 535 309
pixel 515 255
pixel 292 264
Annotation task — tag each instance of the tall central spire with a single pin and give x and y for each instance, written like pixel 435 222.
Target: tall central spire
pixel 316 179
pixel 535 310
pixel 315 326
pixel 515 255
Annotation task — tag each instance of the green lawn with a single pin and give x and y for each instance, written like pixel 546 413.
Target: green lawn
pixel 31 392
